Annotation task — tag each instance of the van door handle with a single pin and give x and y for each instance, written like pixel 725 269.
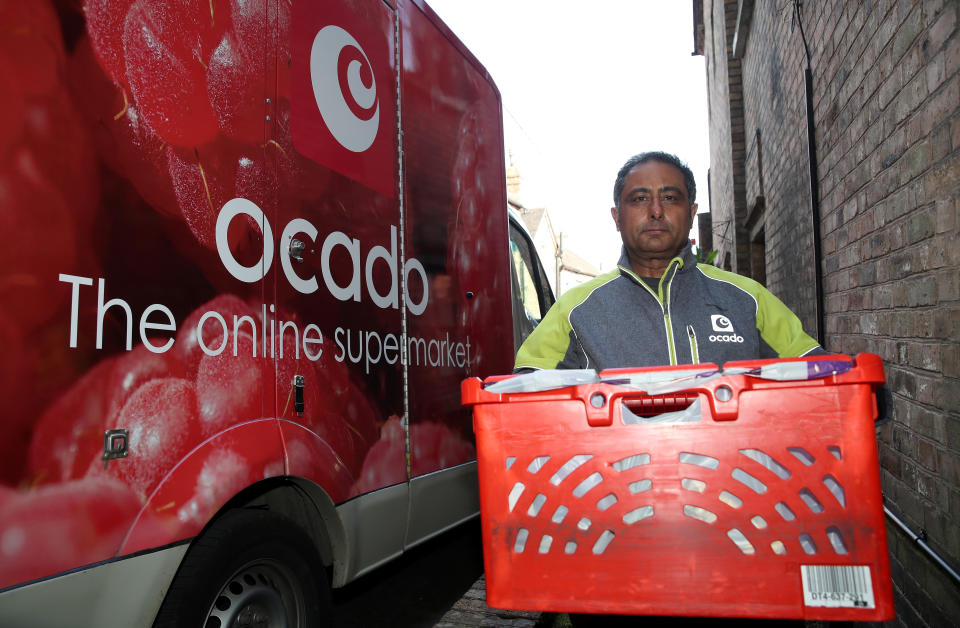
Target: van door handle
pixel 298 405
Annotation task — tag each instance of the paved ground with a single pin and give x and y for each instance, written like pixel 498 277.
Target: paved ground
pixel 438 584
pixel 472 610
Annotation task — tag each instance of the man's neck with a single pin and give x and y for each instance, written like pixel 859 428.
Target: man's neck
pixel 652 268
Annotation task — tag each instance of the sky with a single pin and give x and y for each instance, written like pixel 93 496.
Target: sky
pixel 585 85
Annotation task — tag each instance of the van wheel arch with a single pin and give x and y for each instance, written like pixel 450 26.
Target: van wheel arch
pixel 306 504
pixel 233 571
pixel 306 509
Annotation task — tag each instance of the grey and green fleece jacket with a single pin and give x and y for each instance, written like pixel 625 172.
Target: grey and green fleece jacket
pixel 699 313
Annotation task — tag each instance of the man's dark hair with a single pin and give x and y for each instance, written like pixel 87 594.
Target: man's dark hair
pixel 662 157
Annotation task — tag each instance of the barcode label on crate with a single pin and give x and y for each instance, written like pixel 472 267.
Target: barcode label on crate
pixel 837 586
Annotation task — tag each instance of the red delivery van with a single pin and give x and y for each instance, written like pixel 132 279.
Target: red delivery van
pixel 249 249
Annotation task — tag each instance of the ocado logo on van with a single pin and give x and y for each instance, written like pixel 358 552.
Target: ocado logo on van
pixel 345 88
pixel 349 292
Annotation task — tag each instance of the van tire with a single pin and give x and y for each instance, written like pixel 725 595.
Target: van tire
pixel 249 562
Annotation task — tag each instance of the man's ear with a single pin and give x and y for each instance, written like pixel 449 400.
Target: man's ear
pixel 615 214
pixel 693 212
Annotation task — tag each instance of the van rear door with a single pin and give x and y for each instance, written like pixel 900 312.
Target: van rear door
pixel 455 226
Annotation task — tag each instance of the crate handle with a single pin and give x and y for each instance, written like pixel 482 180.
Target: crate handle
pixel 723 397
pixel 667 408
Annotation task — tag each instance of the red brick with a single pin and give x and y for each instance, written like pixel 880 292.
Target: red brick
pixel 927 455
pixel 951 360
pixel 952 56
pixel 946 211
pixel 952 432
pixel 890 460
pixel 949 464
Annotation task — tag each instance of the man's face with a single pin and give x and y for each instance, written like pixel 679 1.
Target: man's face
pixel 655 213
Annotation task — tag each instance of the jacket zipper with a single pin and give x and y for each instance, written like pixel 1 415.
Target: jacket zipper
pixel 664 301
pixel 692 335
pixel 671 342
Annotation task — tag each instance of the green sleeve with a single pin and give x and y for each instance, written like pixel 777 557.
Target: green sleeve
pixel 547 345
pixel 553 343
pixel 780 328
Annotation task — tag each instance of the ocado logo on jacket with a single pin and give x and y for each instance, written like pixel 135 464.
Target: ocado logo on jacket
pixel 344 90
pixel 721 323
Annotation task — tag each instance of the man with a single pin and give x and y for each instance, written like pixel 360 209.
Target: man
pixel 659 306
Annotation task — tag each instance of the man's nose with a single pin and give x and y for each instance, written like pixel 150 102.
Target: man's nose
pixel 656 209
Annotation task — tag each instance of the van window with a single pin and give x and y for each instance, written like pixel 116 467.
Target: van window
pixel 531 292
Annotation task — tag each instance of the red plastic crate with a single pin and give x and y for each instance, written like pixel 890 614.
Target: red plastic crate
pixel 768 506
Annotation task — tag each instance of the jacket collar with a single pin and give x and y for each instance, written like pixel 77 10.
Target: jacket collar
pixel 686 260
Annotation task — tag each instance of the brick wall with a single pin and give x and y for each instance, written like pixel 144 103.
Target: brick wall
pixel 886 94
pixel 721 142
pixel 775 114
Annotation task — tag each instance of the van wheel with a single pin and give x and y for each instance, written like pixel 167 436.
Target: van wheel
pixel 251 568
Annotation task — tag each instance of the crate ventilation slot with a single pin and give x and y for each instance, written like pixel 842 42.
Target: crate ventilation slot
pixel 606 502
pixel 537 464
pixel 569 467
pixel 767 461
pixel 630 462
pixel 640 486
pixel 695 512
pixel 701 461
pixel 601 545
pixel 515 494
pixel 521 541
pixel 639 514
pixel 696 486
pixel 784 511
pixel 537 504
pixel 802 455
pixel 835 489
pixel 545 542
pixel 584 487
pixel 730 499
pixel 741 541
pixel 811 501
pixel 836 540
pixel 749 481
pixel 806 542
